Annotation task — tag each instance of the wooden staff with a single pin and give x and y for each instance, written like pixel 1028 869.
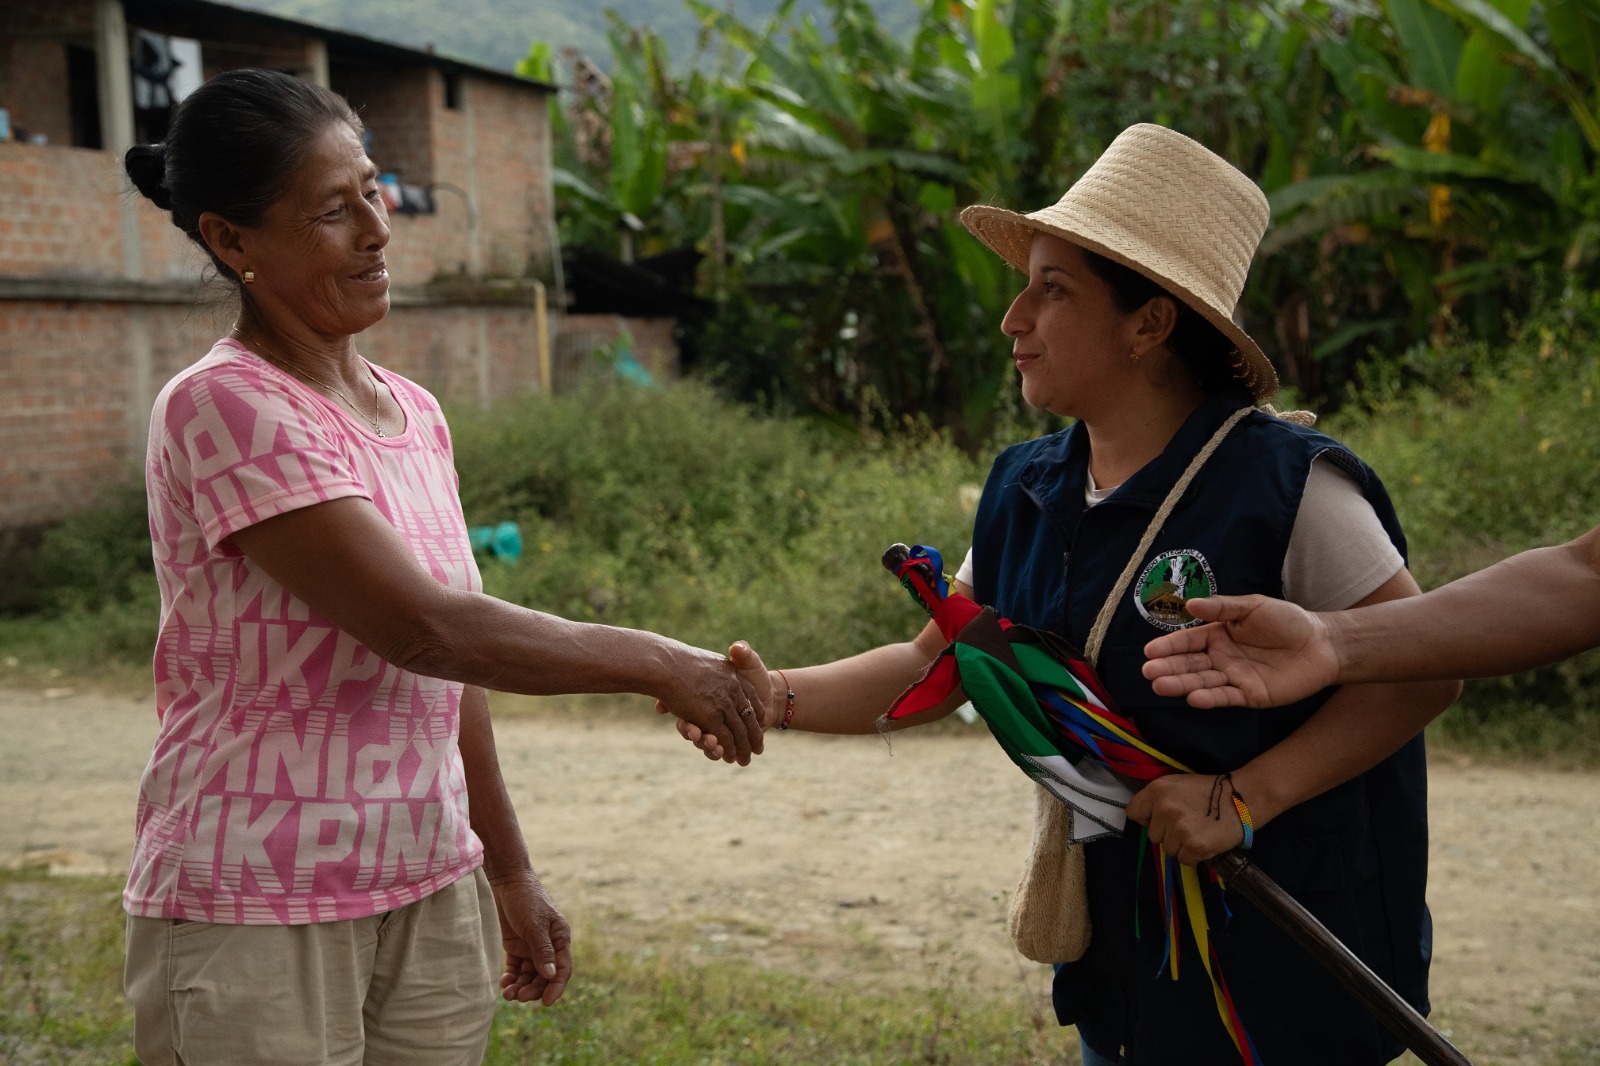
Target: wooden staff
pixel 1399 1017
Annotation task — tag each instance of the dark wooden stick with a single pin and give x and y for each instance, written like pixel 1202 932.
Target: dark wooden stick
pixel 1398 1016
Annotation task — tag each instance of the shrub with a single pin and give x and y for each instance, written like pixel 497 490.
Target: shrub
pixel 676 511
pixel 1500 456
pixel 88 561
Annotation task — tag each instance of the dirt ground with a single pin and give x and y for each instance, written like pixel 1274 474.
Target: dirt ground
pixel 835 857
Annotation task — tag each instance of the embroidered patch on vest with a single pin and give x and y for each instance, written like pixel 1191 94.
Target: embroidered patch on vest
pixel 1170 579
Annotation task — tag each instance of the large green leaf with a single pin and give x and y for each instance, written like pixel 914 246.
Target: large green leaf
pixel 1485 69
pixel 777 126
pixel 1442 165
pixel 1575 36
pixel 1363 197
pixel 996 94
pixel 1348 333
pixel 638 151
pixel 1290 198
pixel 921 163
pixel 1483 14
pixel 794 67
pixel 1366 78
pixel 1432 44
pixel 566 180
pixel 1490 17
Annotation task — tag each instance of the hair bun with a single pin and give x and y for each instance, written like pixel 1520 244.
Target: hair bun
pixel 146 165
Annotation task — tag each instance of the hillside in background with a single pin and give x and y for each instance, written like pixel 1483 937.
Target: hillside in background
pixel 498 33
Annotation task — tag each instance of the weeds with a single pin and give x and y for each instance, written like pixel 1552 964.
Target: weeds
pixel 61 971
pixel 666 1005
pixel 1497 457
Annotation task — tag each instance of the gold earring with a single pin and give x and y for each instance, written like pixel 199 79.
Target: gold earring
pixel 249 277
pixel 1134 355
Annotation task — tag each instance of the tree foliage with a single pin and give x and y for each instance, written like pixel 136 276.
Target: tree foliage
pixel 1430 164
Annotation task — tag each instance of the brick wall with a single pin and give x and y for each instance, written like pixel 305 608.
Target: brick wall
pixel 396 105
pixel 69 212
pixel 100 295
pixel 510 161
pixel 78 379
pixel 74 374
pixel 490 172
pixel 63 211
pixel 33 63
pixel 651 340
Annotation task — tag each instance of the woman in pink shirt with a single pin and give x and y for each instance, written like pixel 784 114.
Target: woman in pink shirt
pixel 310 882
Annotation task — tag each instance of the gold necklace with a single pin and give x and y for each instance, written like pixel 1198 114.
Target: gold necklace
pixel 295 368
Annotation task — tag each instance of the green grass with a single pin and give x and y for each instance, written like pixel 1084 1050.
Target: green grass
pixel 662 1004
pixel 1494 451
pixel 61 971
pixel 657 1001
pixel 666 1007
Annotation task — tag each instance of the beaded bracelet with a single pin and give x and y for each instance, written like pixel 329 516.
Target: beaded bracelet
pixel 1214 807
pixel 1246 821
pixel 788 706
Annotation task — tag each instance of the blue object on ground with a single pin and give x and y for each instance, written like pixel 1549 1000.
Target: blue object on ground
pixel 503 541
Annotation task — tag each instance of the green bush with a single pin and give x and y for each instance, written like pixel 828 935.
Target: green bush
pixel 88 561
pixel 676 511
pixel 1499 456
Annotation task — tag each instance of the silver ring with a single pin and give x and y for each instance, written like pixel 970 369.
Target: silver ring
pixel 747 709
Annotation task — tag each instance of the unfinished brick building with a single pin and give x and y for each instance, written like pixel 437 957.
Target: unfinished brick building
pixel 102 299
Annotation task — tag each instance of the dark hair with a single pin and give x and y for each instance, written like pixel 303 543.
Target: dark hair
pixel 232 148
pixel 1203 348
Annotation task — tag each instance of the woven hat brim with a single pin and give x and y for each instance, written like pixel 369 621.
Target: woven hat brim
pixel 1010 235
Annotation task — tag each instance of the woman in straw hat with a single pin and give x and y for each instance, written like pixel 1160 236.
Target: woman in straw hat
pixel 1173 484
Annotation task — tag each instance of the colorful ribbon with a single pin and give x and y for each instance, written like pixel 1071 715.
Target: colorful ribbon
pixel 1053 717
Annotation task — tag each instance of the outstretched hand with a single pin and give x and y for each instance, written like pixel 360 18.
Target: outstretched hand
pixel 754 677
pixel 536 938
pixel 1257 652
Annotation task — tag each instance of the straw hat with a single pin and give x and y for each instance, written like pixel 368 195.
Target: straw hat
pixel 1167 207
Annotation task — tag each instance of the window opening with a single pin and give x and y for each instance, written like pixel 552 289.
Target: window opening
pixel 83 96
pixel 165 70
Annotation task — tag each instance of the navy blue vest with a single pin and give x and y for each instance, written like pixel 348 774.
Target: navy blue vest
pixel 1355 856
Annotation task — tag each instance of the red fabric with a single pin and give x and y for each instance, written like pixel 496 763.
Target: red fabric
pixel 937 684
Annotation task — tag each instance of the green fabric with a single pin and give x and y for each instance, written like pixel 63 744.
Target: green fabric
pixel 1040 667
pixel 1001 695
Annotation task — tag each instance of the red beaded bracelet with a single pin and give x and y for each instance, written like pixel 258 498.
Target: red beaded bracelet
pixel 788 707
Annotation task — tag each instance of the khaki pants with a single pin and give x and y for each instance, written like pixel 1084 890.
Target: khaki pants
pixel 416 985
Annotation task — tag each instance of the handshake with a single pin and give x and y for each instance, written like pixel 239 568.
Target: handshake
pixel 729 704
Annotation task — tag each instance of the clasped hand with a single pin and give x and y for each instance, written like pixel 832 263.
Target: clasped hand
pixel 725 704
pixel 756 681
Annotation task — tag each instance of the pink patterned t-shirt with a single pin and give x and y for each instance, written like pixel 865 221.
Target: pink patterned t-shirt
pixel 296 776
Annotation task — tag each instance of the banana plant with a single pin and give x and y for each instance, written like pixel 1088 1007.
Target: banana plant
pixel 1425 161
pixel 866 146
pixel 1448 176
pixel 611 146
